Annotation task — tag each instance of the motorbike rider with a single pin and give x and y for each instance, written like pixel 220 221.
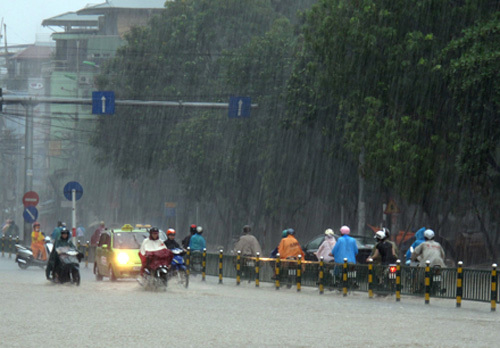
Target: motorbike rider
pixel 171 243
pixel 345 247
pixel 197 242
pixel 327 246
pixel 429 250
pixel 247 243
pixel 38 243
pixel 384 249
pixel 187 239
pixel 153 251
pixel 53 264
pixel 419 239
pixel 289 247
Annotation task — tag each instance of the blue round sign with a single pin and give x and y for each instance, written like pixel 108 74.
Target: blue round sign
pixel 30 214
pixel 68 189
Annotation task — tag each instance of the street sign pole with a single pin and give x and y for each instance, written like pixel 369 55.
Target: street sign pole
pixel 73 215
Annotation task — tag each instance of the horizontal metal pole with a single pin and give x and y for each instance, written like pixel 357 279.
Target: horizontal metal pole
pixel 83 101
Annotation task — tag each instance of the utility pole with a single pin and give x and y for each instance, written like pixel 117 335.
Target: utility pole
pixel 28 162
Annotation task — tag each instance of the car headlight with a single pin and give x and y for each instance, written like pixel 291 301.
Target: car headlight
pixel 122 258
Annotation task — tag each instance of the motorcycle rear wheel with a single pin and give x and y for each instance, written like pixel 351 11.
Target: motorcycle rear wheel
pixel 75 275
pixel 22 265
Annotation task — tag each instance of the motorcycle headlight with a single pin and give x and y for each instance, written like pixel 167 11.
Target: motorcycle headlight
pixel 122 258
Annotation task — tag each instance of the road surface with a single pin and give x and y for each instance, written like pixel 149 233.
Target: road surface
pixel 37 313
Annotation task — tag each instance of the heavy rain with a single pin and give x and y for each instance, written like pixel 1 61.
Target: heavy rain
pixel 303 114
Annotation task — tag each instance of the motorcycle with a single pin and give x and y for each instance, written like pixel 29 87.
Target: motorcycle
pixel 25 257
pixel 387 282
pixel 67 268
pixel 335 277
pixel 155 276
pixel 178 269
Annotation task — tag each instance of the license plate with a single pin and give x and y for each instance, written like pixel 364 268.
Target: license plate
pixel 251 263
pixel 392 275
pixel 292 271
pixel 351 274
pixel 437 278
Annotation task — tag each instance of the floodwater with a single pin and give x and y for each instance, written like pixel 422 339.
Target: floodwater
pixel 37 313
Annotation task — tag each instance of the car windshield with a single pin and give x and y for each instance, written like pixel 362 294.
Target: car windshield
pixel 315 243
pixel 129 240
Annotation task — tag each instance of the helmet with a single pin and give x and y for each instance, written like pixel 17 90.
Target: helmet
pixel 246 229
pixel 192 229
pixel 380 235
pixel 345 230
pixel 386 231
pixel 429 234
pixel 199 229
pixel 170 231
pixel 284 233
pixel 291 231
pixel 154 229
pixel 329 232
pixel 64 230
pixel 36 224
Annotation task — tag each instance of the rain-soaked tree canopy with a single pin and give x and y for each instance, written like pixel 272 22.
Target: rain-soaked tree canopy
pixel 410 86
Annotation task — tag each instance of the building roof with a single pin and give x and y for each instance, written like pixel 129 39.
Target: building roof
pixel 110 5
pixel 34 52
pixel 71 18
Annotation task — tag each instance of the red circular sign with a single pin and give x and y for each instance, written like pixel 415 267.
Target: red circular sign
pixel 30 199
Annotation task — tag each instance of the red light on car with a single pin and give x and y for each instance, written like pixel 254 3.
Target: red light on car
pixel 392 269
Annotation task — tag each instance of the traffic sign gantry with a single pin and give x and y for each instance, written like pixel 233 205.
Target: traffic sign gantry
pixel 68 189
pixel 30 214
pixel 31 199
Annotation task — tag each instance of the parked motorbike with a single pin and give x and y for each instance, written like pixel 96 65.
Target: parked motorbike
pixel 178 269
pixel 25 257
pixel 67 268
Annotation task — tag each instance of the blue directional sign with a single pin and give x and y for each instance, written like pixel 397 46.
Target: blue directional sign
pixel 68 189
pixel 103 102
pixel 239 107
pixel 30 214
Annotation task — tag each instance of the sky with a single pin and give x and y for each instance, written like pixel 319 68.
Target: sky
pixel 24 18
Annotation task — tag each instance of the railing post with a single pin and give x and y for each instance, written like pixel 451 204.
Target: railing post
pixel 10 246
pixel 299 272
pixel 188 261
pixel 3 246
pixel 257 269
pixel 427 281
pixel 494 281
pixel 344 278
pixel 321 275
pixel 220 265
pixel 398 280
pixel 277 272
pixel 238 267
pixel 460 277
pixel 204 264
pixel 370 278
pixel 87 246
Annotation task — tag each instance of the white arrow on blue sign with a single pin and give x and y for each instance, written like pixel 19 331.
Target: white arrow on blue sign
pixel 103 102
pixel 68 190
pixel 239 107
pixel 30 214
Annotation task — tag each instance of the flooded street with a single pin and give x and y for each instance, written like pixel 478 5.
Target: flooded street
pixel 121 314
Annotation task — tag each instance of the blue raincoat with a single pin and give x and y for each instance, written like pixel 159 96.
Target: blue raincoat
pixel 345 248
pixel 419 235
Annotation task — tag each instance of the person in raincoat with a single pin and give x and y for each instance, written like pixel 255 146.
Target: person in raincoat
pixel 289 247
pixel 53 264
pixel 154 252
pixel 37 243
pixel 197 242
pixel 326 247
pixel 419 235
pixel 345 248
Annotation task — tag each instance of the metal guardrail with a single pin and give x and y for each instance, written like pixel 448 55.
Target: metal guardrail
pixel 476 284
